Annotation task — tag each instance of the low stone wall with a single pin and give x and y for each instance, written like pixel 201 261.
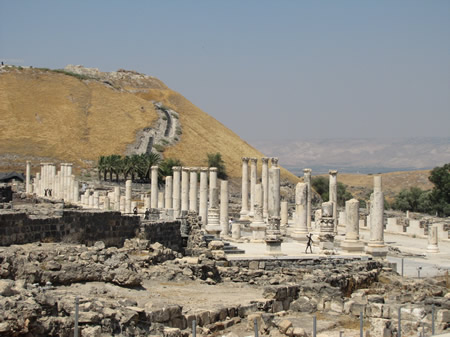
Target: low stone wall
pixel 166 233
pixel 73 226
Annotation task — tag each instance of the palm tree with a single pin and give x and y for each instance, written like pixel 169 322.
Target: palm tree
pixel 165 166
pixel 101 166
pixel 150 159
pixel 116 165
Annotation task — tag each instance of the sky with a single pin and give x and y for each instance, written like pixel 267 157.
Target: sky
pixel 268 70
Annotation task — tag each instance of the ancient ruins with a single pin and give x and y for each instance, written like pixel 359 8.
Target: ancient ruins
pixel 196 256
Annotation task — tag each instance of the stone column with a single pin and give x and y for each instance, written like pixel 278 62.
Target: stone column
pixel 128 196
pixel 168 193
pixel 70 189
pixel 307 181
pixel 244 208
pixel 160 199
pixel 185 189
pixel 274 192
pixel 265 184
pixel 203 206
pixel 258 226
pixel 253 163
pixel 213 226
pixel 123 201
pixel 117 198
pixel 76 192
pixel 376 246
pixel 433 239
pixel 96 200
pixel 224 208
pixel 154 187
pixel 352 244
pixel 27 179
pixel 212 182
pixel 147 203
pixel 333 195
pixel 106 203
pixel 86 198
pixel 67 183
pixel 301 200
pixel 284 213
pixel 176 191
pixel 53 180
pixel 236 230
pixel 193 205
pixel 42 185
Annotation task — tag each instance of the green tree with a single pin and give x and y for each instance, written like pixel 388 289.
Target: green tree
pixel 440 195
pixel 215 160
pixel 408 199
pixel 321 186
pixel 101 166
pixel 165 166
pixel 342 194
pixel 147 161
pixel 115 164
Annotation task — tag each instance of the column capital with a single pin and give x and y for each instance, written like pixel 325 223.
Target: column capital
pixel 307 171
pixel 333 172
pixel 176 168
pixel 194 169
pixel 274 161
pixel 245 159
pixel 204 169
pixel 155 167
pixel 253 160
pixel 186 169
pixel 213 169
pixel 265 160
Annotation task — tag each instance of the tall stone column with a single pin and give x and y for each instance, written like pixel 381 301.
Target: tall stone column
pixel 147 203
pixel 284 213
pixel 168 192
pixel 352 243
pixel 203 206
pixel 176 191
pixel 253 163
pixel 224 208
pixel 307 181
pixel 258 226
pixel 185 189
pixel 376 246
pixel 128 196
pixel 68 175
pixel 301 201
pixel 333 195
pixel 265 184
pixel 244 208
pixel 160 200
pixel 154 187
pixel 213 226
pixel 71 187
pixel 193 204
pixel 76 192
pixel 42 183
pixel 117 198
pixel 274 192
pixel 123 201
pixel 27 179
pixel 212 181
pixel 53 180
pixel 96 200
pixel 37 183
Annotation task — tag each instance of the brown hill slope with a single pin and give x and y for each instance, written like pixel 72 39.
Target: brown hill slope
pixel 46 115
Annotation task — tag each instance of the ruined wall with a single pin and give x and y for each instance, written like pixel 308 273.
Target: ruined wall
pixel 72 226
pixel 5 193
pixel 167 233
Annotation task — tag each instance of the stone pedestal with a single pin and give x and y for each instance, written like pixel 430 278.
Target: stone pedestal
pixel 244 205
pixel 300 225
pixel 433 240
pixel 203 198
pixel 154 187
pixel 258 226
pixel 376 246
pixel 193 205
pixel 273 237
pixel 236 230
pixel 224 219
pixel 185 189
pixel 352 244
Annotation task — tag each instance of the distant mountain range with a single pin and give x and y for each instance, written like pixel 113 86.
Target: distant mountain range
pixel 359 155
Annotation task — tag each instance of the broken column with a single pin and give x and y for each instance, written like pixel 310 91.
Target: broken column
pixel 258 226
pixel 300 221
pixel 307 181
pixel 224 208
pixel 154 187
pixel 128 196
pixel 273 236
pixel 244 207
pixel 176 191
pixel 333 195
pixel 185 189
pixel 168 192
pixel 27 178
pixel 213 226
pixel 376 246
pixel 432 239
pixel 253 162
pixel 274 191
pixel 193 205
pixel 351 243
pixel 265 184
pixel 326 234
pixel 203 202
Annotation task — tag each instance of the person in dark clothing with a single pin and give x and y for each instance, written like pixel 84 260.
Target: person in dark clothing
pixel 147 214
pixel 309 243
pixel 135 210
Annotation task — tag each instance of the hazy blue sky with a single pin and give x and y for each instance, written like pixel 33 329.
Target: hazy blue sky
pixel 266 69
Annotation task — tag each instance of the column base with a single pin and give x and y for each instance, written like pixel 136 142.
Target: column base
pixel 258 231
pixel 244 216
pixel 352 246
pixel 273 248
pixel 377 249
pixel 432 249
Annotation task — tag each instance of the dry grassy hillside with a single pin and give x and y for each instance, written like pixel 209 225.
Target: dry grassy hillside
pixel 46 115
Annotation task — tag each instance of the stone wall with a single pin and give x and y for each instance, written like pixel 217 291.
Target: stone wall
pixel 166 233
pixel 5 193
pixel 73 226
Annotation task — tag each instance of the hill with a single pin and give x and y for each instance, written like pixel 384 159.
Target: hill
pixel 78 114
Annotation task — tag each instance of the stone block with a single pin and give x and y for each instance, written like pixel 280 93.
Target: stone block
pixel 443 316
pixel 202 318
pixel 284 325
pixel 244 310
pixel 277 306
pixel 337 306
pixel 253 265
